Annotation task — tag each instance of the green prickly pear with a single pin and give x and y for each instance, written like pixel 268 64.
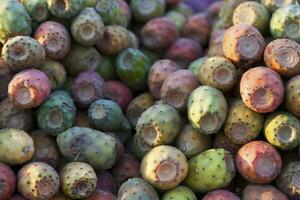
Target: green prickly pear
pixel 37 9
pixel 177 18
pixel 273 5
pixel 196 65
pixel 179 193
pixel 292 95
pixel 65 9
pixel 55 72
pixel 145 10
pixel 106 69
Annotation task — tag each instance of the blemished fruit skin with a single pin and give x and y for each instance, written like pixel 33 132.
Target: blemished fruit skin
pixel 102 195
pixel 65 9
pixel 106 69
pixel 54 38
pixel 216 43
pixel 22 52
pixel 38 181
pixel 106 182
pixel 85 144
pixel 210 170
pixel 196 65
pixel 221 195
pixel 158 33
pixel 144 11
pixel 177 18
pixel 119 93
pixel 275 59
pixel 87 87
pixel 258 162
pixel 282 130
pixel 29 89
pixel 242 124
pixel 179 193
pixel 13 11
pixel 284 22
pixel 292 94
pixel 263 192
pixel 222 141
pixel 78 180
pixel 8 181
pixel 273 5
pixel 261 89
pixel 87 27
pixel 37 9
pixel 5 77
pixel 243 45
pixel 218 72
pixel 19 197
pixel 207 109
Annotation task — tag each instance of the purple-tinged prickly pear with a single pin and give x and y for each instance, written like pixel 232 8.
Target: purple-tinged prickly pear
pixel 221 195
pixel 56 73
pixel 222 141
pixel 145 10
pixel 106 182
pixel 196 65
pixel 258 162
pixel 213 12
pixel 54 38
pixel 38 181
pixel 177 18
pixel 262 89
pixel 263 192
pixel 65 9
pixel 119 93
pixel 82 119
pixel 243 45
pixel 19 197
pixel 198 6
pixel 102 195
pixel 37 9
pixel 8 181
pixel 273 5
pixel 216 43
pixel 292 94
pixel 210 170
pixel 180 192
pixel 78 180
pixel 5 77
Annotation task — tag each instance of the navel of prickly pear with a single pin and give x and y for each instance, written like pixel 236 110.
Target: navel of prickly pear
pixel 38 181
pixel 207 109
pixel 87 27
pixel 180 192
pixel 221 195
pixel 37 9
pixel 145 10
pixel 258 162
pixel 263 192
pixel 78 180
pixel 210 170
pixel 65 9
pixel 8 181
pixel 273 5
pixel 243 45
pixel 261 89
pixel 292 95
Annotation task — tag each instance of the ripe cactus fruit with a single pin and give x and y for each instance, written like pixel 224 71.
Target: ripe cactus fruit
pixel 101 195
pixel 85 144
pixel 261 89
pixel 282 55
pixel 292 94
pixel 87 87
pixel 78 180
pixel 5 77
pixel 207 109
pixel 218 72
pixel 38 181
pixel 119 93
pixel 216 43
pixel 221 195
pixel 242 124
pixel 273 5
pixel 284 23
pixel 210 170
pixel 222 141
pixel 106 182
pixel 8 181
pixel 263 192
pixel 213 12
pixel 57 113
pixel 29 88
pixel 196 65
pixel 145 10
pixel 180 192
pixel 106 68
pixel 22 52
pixel 282 130
pixel 164 167
pixel 243 45
pixel 37 9
pixel 14 20
pixel 56 73
pixel 177 18
pixel 258 162
pixel 65 9
pixel 191 142
pixel 54 38
pixel 87 27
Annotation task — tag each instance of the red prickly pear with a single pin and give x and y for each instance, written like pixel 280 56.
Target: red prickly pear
pixel 8 181
pixel 119 93
pixel 221 195
pixel 263 192
pixel 101 195
pixel 106 182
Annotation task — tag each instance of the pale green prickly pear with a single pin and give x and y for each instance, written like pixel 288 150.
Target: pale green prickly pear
pixel 65 9
pixel 37 9
pixel 180 193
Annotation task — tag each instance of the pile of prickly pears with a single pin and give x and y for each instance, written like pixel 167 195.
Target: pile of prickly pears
pixel 150 99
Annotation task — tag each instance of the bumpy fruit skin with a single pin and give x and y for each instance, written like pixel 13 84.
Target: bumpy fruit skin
pixel 37 9
pixel 184 51
pixel 119 93
pixel 258 162
pixel 196 65
pixel 87 27
pixel 106 182
pixel 210 170
pixel 222 141
pixel 263 192
pixel 101 195
pixel 8 181
pixel 65 9
pixel 242 124
pixel 275 59
pixel 56 73
pixel 29 89
pixel 179 193
pixel 144 11
pixel 54 38
pixel 292 94
pixel 5 77
pixel 207 109
pixel 243 45
pixel 221 195
pixel 85 144
pixel 177 18
pixel 87 87
pixel 282 130
pixel 38 181
pixel 158 33
pixel 273 5
pixel 261 89
pixel 284 23
pixel 78 180
pixel 216 43
pixel 12 12
pixel 106 69
pixel 57 113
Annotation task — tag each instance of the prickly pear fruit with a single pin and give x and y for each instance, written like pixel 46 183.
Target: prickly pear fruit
pixel 261 89
pixel 243 45
pixel 196 65
pixel 281 55
pixel 65 9
pixel 207 109
pixel 292 95
pixel 87 27
pixel 177 18
pixel 158 33
pixel 210 170
pixel 78 180
pixel 242 124
pixel 144 11
pixel 184 9
pixel 258 162
pixel 5 77
pixel 213 12
pixel 273 5
pixel 133 40
pixel 107 68
pixel 55 72
pixel 216 43
pixel 101 195
pixel 37 9
pixel 54 38
pixel 119 93
pixel 221 195
pixel 38 181
pixel 8 181
pixel 180 193
pixel 19 197
pixel 263 192
pixel 85 144
pixel 222 141
pixel 106 182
